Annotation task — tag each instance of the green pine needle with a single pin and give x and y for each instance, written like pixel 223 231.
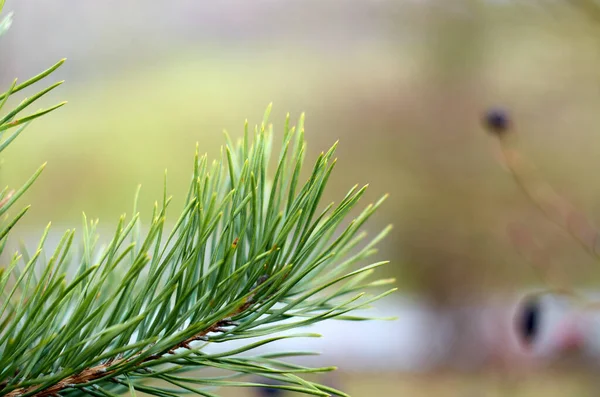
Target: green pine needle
pixel 6 21
pixel 246 258
pixel 249 256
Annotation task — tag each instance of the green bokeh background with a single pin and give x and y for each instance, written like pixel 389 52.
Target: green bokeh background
pixel 406 109
pixel 405 103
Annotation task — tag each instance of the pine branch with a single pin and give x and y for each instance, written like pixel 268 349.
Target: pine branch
pixel 248 257
pixel 244 257
pixel 107 371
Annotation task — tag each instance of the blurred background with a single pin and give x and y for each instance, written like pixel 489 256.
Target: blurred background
pixel 403 85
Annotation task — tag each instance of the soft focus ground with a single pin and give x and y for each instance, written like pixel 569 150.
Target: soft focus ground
pixel 453 385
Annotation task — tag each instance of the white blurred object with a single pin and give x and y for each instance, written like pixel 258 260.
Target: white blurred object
pixel 375 345
pixel 578 332
pixel 420 339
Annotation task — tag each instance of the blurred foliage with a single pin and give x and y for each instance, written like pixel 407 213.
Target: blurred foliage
pixel 406 109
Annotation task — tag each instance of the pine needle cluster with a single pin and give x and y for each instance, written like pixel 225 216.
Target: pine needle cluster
pixel 251 255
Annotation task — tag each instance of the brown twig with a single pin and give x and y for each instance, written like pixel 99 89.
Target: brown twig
pixel 103 371
pixel 556 208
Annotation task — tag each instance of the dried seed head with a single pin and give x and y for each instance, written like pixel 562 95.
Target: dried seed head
pixel 528 321
pixel 497 121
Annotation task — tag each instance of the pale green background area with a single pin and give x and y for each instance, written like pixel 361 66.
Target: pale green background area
pixel 406 111
pixel 406 107
pixel 127 130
